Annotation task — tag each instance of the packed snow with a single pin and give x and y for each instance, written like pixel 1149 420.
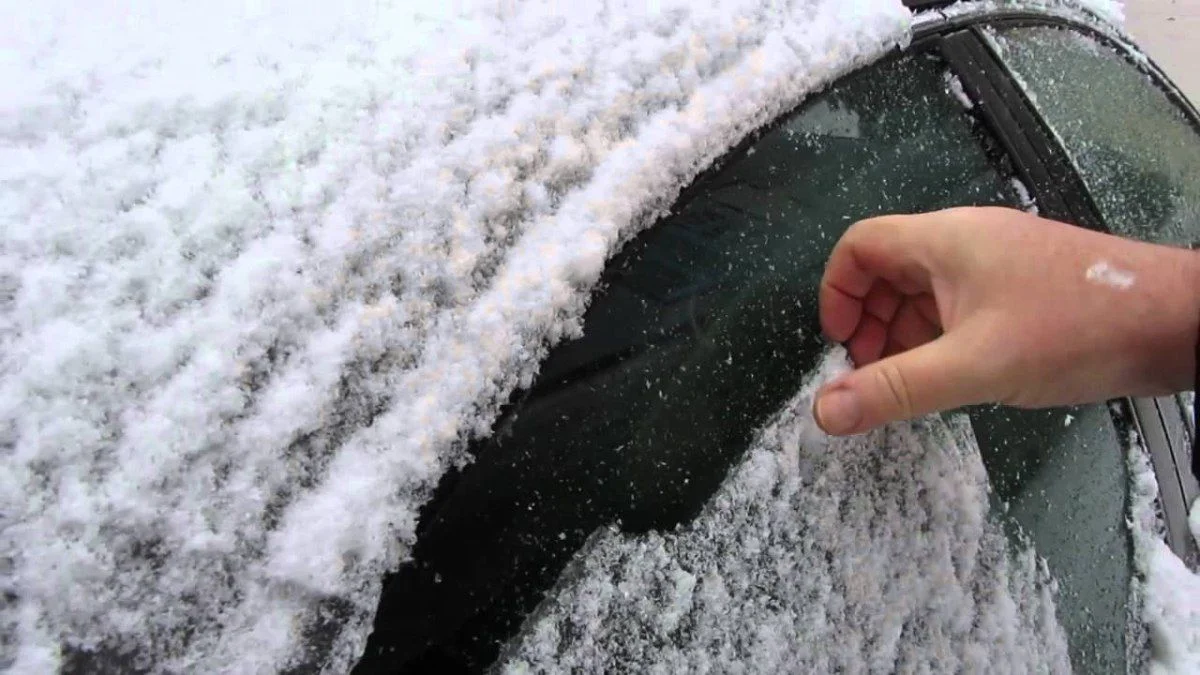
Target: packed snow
pixel 266 266
pixel 868 554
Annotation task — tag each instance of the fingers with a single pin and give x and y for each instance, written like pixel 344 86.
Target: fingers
pixel 876 297
pixel 840 310
pixel 906 325
pixel 938 375
pixel 894 249
pixel 869 341
pixel 911 326
pixel 882 301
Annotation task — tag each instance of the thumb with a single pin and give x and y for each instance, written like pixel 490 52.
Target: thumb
pixel 939 375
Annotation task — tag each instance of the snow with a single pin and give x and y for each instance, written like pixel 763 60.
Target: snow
pixel 265 267
pixel 868 554
pixel 1109 12
pixel 955 86
pixel 1170 592
pixel 1194 521
pixel 1028 203
pixel 1103 273
pixel 1188 401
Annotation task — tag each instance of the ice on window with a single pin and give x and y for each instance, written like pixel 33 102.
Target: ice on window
pixel 1133 146
pixel 868 554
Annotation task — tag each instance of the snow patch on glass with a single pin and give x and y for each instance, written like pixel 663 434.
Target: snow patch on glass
pixel 955 86
pixel 1168 592
pixel 818 554
pixel 1194 521
pixel 1028 203
pixel 265 267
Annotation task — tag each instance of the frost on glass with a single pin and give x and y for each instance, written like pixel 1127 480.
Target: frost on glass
pixel 1140 158
pixel 1058 478
pixel 1137 152
pixel 864 554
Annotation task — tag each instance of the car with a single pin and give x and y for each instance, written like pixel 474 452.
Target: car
pixel 705 325
pixel 483 336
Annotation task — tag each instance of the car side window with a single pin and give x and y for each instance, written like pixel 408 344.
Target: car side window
pixel 703 327
pixel 1134 147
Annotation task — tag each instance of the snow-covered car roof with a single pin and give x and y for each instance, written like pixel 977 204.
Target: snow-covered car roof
pixel 265 269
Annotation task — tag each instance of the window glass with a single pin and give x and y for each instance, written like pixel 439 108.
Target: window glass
pixel 1137 152
pixel 704 325
pixel 1139 156
pixel 1059 478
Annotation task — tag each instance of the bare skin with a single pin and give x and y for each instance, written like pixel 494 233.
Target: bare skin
pixel 981 305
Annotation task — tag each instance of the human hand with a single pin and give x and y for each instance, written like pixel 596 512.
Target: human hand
pixel 979 305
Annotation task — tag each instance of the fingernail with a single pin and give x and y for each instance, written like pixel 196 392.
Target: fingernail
pixel 838 412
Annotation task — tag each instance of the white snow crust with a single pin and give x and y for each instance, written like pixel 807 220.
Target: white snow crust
pixel 868 554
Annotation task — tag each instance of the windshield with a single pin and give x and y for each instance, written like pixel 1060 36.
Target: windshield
pixel 703 328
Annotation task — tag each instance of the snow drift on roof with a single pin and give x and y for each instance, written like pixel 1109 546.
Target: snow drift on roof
pixel 264 268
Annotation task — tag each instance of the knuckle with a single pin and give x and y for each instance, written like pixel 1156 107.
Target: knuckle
pixel 870 227
pixel 890 380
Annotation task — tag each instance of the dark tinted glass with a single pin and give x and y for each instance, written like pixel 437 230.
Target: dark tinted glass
pixel 1059 481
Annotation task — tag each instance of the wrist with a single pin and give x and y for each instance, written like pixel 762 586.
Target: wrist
pixel 1174 321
